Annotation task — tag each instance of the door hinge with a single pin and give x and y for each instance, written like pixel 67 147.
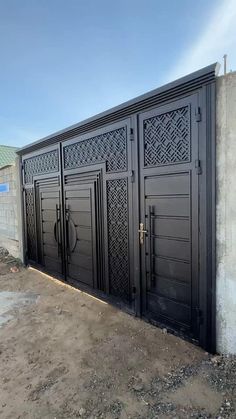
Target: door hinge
pixel 22 166
pixel 22 188
pixel 198 115
pixel 131 134
pixel 131 174
pixel 198 167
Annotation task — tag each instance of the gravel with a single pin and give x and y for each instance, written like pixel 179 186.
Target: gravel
pixel 223 373
pixel 6 257
pixel 218 371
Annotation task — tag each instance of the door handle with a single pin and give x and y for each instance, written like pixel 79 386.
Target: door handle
pixel 151 216
pixel 67 216
pixel 71 235
pixel 57 228
pixel 141 233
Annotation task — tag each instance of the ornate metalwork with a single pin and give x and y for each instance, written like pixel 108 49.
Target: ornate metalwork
pixel 110 147
pixel 118 251
pixel 30 223
pixel 167 138
pixel 43 163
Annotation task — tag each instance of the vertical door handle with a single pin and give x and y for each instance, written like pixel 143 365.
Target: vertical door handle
pixel 151 245
pixel 71 236
pixel 57 227
pixel 67 214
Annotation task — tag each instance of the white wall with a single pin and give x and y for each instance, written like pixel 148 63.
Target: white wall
pixel 226 213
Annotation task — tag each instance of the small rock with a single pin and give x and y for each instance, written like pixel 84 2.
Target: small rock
pixel 82 411
pixel 14 269
pixel 215 359
pixel 138 387
pixel 164 331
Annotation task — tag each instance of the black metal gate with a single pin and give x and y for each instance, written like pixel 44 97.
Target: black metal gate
pixel 169 214
pixel 123 209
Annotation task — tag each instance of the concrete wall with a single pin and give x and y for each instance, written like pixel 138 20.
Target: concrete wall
pixel 226 213
pixel 9 227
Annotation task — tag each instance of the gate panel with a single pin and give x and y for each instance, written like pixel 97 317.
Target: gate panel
pixel 30 223
pixel 49 229
pixel 108 151
pixel 118 238
pixel 36 166
pixel 81 230
pixel 169 213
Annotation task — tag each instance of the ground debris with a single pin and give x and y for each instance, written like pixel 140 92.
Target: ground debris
pixel 223 374
pixel 14 269
pixel 67 360
pixel 8 259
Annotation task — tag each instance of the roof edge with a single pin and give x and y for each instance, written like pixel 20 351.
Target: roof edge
pixel 202 76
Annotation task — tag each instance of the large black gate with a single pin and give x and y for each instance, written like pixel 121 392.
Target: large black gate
pixel 125 209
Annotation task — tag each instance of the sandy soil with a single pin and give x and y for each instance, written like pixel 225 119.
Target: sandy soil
pixel 65 354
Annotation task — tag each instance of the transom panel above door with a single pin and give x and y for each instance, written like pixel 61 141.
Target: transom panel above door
pixel 169 215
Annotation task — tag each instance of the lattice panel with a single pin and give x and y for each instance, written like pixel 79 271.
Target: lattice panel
pixel 30 225
pixel 43 163
pixel 110 147
pixel 118 251
pixel 167 138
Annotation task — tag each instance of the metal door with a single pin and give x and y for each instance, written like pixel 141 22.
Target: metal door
pixel 48 224
pixel 168 229
pixel 42 208
pixel 81 228
pixel 98 195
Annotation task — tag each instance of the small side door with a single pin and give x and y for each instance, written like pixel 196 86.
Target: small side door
pixel 169 215
pixel 48 221
pixel 81 230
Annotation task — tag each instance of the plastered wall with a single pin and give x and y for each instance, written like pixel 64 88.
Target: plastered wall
pixel 226 213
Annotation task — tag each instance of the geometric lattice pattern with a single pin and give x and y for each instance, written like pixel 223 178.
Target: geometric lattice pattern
pixel 30 223
pixel 43 163
pixel 110 147
pixel 118 250
pixel 167 138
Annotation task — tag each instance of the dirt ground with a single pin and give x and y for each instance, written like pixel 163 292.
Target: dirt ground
pixel 65 354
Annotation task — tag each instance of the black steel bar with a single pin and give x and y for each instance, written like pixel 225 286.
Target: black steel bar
pixel 151 246
pixel 67 211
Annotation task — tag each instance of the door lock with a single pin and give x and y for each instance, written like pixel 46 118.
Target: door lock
pixel 141 233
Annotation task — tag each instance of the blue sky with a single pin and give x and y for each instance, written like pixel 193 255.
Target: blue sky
pixel 63 61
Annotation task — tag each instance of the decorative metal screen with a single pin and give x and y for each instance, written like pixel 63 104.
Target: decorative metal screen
pixel 118 252
pixel 43 163
pixel 167 138
pixel 110 147
pixel 30 223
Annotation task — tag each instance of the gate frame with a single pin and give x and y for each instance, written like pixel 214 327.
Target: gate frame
pixel 203 83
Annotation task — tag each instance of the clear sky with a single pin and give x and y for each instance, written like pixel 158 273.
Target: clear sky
pixel 62 61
